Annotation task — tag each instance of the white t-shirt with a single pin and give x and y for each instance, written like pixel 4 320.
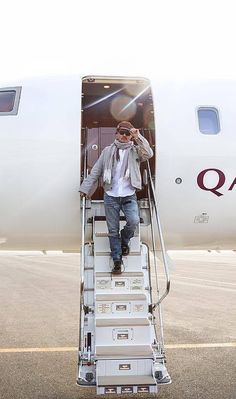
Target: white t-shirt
pixel 121 186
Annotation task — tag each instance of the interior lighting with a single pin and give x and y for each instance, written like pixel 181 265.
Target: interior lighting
pixel 103 98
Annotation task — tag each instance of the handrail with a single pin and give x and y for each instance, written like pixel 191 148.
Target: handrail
pixel 83 219
pixel 82 273
pixel 163 250
pixel 161 341
pixel 82 255
pixel 83 239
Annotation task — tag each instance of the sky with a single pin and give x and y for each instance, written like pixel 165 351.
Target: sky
pixel 169 38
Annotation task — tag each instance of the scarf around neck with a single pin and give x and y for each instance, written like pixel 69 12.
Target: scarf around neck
pixel 112 157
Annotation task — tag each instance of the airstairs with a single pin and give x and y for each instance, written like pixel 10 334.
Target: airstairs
pixel 121 333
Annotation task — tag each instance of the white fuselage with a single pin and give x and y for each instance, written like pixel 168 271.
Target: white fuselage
pixel 40 166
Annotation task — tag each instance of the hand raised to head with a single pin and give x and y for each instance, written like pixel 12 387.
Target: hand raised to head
pixel 134 133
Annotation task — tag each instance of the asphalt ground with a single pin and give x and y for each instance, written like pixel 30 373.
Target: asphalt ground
pixel 39 307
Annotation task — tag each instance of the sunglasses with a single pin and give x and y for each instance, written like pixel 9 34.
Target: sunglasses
pixel 123 132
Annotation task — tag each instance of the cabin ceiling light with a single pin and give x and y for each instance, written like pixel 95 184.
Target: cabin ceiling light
pixel 106 87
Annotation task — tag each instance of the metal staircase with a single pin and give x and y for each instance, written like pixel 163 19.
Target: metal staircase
pixel 121 340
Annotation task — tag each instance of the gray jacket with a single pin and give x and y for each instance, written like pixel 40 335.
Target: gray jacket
pixel 140 153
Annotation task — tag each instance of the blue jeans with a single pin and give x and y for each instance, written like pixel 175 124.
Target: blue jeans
pixel 113 206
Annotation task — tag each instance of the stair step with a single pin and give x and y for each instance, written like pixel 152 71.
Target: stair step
pixel 103 218
pixel 101 225
pixel 107 253
pixel 101 243
pixel 124 274
pixel 104 234
pixel 124 322
pixel 103 263
pixel 126 283
pixel 124 351
pixel 127 336
pixel 116 297
pixel 101 239
pixel 101 234
pixel 126 380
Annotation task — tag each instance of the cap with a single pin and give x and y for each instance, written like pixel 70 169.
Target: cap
pixel 125 125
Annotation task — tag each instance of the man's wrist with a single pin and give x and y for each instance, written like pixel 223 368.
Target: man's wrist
pixel 138 137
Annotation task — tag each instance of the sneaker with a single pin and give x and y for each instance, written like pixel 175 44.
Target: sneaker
pixel 125 249
pixel 117 267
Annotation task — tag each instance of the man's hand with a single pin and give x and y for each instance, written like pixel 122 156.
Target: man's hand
pixel 134 133
pixel 82 195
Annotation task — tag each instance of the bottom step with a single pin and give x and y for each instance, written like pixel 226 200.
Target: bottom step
pixel 126 384
pixel 126 380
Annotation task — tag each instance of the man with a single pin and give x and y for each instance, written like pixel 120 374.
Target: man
pixel 119 165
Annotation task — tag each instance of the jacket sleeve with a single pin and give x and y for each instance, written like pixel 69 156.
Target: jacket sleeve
pixel 89 182
pixel 143 148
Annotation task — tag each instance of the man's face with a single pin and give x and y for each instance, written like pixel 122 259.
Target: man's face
pixel 123 138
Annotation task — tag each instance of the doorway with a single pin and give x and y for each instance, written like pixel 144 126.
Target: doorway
pixel 105 102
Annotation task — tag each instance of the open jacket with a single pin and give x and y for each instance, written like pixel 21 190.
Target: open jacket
pixel 140 152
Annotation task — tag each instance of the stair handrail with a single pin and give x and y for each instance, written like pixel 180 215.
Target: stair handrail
pixel 163 250
pixel 85 173
pixel 83 239
pixel 82 252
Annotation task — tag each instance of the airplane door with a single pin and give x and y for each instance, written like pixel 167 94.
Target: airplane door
pixel 96 140
pixel 105 102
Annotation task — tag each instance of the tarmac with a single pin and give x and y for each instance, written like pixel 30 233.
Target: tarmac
pixel 39 297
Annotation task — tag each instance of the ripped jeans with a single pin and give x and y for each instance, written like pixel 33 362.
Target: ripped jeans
pixel 113 206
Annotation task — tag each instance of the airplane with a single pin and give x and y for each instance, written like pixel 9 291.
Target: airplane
pixel 42 129
pixel 52 131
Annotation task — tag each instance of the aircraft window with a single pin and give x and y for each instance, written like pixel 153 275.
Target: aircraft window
pixel 208 120
pixel 9 100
